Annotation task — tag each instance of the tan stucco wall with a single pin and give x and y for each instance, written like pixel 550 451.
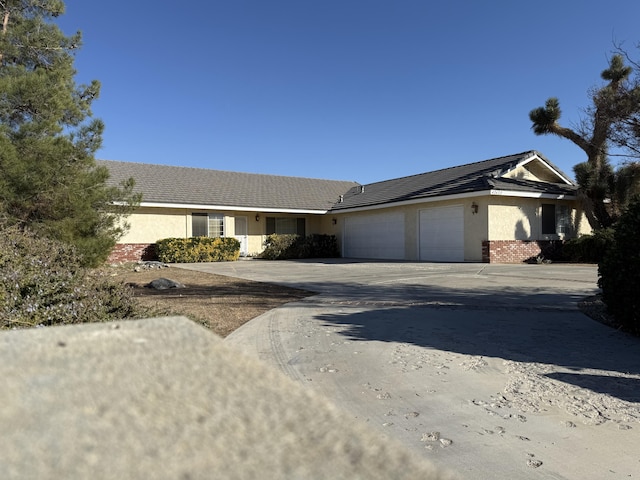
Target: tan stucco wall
pixel 148 225
pixel 511 219
pixel 521 219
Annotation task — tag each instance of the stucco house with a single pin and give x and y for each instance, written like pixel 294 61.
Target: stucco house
pixel 500 210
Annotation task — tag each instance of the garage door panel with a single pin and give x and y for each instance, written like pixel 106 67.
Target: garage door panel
pixel 379 236
pixel 442 234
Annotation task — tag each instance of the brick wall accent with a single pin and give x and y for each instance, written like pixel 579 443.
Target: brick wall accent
pixel 515 251
pixel 132 252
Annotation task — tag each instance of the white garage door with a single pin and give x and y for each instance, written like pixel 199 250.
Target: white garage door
pixel 379 236
pixel 442 234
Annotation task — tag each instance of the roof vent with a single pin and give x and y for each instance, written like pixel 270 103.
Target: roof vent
pixel 341 199
pixel 361 188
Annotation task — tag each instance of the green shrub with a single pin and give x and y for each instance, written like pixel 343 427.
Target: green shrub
pixel 42 282
pixel 589 248
pixel 283 247
pixel 620 270
pixel 319 246
pixel 280 247
pixel 198 249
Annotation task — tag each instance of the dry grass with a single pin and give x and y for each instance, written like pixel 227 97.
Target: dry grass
pixel 220 303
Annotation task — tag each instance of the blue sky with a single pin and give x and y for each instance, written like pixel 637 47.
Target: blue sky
pixel 361 90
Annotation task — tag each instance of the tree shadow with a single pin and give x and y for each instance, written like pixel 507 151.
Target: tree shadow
pixel 562 338
pixel 624 388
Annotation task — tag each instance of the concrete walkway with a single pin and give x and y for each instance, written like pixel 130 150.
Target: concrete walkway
pixel 487 369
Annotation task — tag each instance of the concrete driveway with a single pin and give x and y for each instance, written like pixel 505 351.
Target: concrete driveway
pixel 487 369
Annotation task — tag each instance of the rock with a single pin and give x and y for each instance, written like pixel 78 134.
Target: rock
pixel 149 264
pixel 164 284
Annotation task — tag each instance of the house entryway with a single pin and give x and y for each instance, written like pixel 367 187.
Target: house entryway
pixel 242 235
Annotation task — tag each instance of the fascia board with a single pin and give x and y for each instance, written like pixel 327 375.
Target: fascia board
pixel 411 202
pixel 551 196
pixel 195 206
pixel 546 164
pixel 481 193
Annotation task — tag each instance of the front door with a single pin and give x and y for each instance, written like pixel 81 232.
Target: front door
pixel 241 235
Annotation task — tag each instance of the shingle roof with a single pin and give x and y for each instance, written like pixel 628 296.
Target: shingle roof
pixel 518 185
pixel 472 177
pixel 198 186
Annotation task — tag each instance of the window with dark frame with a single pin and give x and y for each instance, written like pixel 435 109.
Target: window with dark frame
pixel 286 226
pixel 556 219
pixel 199 225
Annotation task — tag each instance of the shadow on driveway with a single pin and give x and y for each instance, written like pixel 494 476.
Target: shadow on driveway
pixel 564 338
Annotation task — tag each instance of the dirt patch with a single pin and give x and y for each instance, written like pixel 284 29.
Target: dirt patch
pixel 220 303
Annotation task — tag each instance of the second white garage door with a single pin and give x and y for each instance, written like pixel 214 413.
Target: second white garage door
pixel 379 236
pixel 442 234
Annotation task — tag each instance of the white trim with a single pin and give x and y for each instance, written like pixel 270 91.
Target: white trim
pixel 546 164
pixel 243 239
pixel 412 202
pixel 512 193
pixel 505 193
pixel 227 208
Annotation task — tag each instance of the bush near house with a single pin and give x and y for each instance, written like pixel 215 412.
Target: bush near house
pixel 588 248
pixel 620 270
pixel 283 247
pixel 43 282
pixel 198 249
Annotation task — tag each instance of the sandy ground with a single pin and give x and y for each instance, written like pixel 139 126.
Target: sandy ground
pixel 491 372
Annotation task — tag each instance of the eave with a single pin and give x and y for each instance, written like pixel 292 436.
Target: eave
pixel 233 208
pixel 459 196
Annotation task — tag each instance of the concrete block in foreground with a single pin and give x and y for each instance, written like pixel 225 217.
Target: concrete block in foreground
pixel 164 398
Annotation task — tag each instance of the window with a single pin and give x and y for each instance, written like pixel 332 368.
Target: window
pixel 556 219
pixel 199 225
pixel 207 225
pixel 216 225
pixel 286 226
pixel 563 219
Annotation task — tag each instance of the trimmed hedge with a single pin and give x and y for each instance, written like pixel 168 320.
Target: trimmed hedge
pixel 198 249
pixel 620 270
pixel 284 247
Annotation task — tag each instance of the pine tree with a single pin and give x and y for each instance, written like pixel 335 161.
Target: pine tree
pixel 614 105
pixel 49 181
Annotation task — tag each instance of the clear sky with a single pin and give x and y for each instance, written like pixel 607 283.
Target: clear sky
pixel 362 90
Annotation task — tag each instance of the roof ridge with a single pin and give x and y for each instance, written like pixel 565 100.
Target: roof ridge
pixel 186 167
pixel 521 154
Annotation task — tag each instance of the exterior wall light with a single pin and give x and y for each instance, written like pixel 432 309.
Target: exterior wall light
pixel 474 208
pixel 334 221
pixel 257 217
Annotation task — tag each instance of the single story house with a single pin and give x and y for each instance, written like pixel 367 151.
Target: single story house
pixel 502 210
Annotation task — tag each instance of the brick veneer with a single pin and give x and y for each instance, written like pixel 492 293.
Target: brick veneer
pixel 132 252
pixel 514 251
